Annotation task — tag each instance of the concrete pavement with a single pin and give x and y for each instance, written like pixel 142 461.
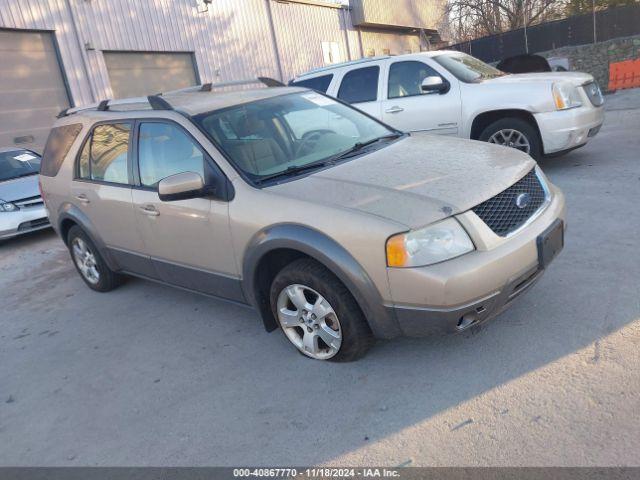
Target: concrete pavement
pixel 149 375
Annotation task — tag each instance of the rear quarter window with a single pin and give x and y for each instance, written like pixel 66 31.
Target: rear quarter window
pixel 58 144
pixel 360 85
pixel 320 84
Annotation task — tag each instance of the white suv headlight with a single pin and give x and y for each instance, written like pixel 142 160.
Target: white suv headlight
pixel 438 242
pixel 565 96
pixel 7 206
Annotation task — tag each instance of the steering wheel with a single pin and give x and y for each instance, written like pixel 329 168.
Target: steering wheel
pixel 309 139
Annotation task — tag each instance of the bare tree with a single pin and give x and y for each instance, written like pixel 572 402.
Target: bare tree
pixel 469 19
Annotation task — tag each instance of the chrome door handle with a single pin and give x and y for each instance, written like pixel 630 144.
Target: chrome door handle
pixel 82 198
pixel 150 210
pixel 394 109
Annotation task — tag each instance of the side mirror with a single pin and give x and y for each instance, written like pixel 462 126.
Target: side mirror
pixel 434 84
pixel 181 186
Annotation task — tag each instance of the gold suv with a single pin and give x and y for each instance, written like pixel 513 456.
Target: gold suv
pixel 337 228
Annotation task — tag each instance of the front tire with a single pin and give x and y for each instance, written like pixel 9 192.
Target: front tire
pixel 89 263
pixel 317 313
pixel 515 133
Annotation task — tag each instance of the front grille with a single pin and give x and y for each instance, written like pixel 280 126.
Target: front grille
pixel 593 92
pixel 29 202
pixel 512 207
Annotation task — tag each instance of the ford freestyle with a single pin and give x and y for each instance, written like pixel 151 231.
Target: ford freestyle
pixel 337 228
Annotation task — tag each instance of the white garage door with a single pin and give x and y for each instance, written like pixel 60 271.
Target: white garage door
pixel 134 74
pixel 32 90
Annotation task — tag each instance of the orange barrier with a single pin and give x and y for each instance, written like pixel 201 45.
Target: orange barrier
pixel 624 74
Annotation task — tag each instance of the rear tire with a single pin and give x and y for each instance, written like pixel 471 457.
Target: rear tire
pixel 89 263
pixel 516 133
pixel 312 305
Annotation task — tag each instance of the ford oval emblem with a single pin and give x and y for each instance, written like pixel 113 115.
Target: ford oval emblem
pixel 523 200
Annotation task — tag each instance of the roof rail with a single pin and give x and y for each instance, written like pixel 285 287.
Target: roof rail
pixel 343 64
pixel 103 106
pixel 159 103
pixel 208 87
pixel 271 82
pixel 268 81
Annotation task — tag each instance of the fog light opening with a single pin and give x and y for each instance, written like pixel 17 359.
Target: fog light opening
pixel 467 320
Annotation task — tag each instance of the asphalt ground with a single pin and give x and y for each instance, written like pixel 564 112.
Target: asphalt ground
pixel 149 375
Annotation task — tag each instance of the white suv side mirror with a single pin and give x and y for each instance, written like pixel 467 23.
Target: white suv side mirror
pixel 434 84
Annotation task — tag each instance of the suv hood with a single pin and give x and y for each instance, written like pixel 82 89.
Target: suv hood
pixel 19 188
pixel 576 78
pixel 414 181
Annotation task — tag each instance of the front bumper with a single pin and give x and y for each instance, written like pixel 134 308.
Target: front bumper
pixel 23 221
pixel 568 129
pixel 468 290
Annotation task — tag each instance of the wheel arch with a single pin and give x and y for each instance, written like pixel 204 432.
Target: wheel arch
pixel 276 246
pixel 70 216
pixel 484 119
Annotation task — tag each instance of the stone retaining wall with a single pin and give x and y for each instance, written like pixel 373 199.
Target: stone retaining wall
pixel 595 58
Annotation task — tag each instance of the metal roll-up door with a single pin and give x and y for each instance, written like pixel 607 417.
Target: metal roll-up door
pixel 32 88
pixel 134 74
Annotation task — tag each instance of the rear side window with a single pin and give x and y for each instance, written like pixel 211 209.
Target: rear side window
pixel 360 85
pixel 58 144
pixel 104 157
pixel 320 84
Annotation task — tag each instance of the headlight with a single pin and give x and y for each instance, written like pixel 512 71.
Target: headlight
pixel 565 96
pixel 435 243
pixel 7 206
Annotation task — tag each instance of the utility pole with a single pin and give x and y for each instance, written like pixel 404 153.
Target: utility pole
pixel 593 13
pixel 524 16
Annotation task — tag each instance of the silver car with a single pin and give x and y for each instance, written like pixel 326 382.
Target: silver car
pixel 21 207
pixel 337 228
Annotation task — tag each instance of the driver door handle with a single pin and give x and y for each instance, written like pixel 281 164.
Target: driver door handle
pixel 82 198
pixel 150 210
pixel 394 109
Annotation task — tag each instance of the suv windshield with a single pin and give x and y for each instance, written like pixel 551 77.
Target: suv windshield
pixel 289 134
pixel 467 68
pixel 18 163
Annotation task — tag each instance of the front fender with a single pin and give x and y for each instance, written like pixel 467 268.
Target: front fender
pixel 333 256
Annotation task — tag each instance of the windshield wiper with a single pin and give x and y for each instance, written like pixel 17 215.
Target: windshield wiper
pixel 293 169
pixel 360 145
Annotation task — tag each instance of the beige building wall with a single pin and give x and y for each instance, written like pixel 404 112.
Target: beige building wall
pixel 227 40
pixel 400 13
pixel 376 42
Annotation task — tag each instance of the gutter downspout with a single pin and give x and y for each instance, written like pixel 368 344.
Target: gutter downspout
pixel 274 41
pixel 346 34
pixel 82 50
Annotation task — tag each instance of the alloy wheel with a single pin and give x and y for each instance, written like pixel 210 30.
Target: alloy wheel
pixel 511 138
pixel 85 260
pixel 309 321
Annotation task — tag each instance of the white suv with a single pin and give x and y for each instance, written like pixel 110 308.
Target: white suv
pixel 453 93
